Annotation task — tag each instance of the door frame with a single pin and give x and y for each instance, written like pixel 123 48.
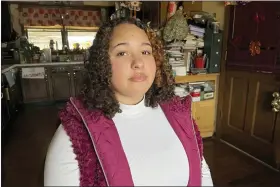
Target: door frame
pixel 222 77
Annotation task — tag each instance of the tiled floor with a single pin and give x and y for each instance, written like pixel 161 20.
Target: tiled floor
pixel 23 156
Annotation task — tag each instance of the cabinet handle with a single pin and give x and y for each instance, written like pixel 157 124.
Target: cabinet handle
pixel 74 74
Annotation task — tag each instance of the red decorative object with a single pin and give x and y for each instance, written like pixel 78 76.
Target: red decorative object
pixel 255 48
pixel 172 6
pixel 236 41
pixel 53 16
pixel 259 17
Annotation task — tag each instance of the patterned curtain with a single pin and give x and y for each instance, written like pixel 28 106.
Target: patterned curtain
pixel 37 16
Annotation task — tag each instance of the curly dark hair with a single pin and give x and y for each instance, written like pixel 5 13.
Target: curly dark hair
pixel 98 93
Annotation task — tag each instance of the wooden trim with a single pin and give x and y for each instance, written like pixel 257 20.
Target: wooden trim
pixel 222 78
pixel 60 27
pixel 35 4
pixel 43 27
pixel 82 28
pixel 196 78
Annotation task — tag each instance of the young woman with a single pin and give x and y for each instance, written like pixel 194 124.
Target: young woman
pixel 127 128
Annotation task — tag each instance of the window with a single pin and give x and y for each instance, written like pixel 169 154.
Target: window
pixel 42 37
pixel 84 38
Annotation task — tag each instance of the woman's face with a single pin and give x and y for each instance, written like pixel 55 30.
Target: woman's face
pixel 133 65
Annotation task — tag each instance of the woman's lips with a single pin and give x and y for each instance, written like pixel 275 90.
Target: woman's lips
pixel 138 78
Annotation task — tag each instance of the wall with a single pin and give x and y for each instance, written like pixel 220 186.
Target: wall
pixel 15 18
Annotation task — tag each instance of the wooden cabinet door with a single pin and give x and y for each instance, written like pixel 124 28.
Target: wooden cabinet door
pixel 78 79
pixel 34 90
pixel 15 93
pixel 247 118
pixel 61 83
pixel 204 115
pixel 5 115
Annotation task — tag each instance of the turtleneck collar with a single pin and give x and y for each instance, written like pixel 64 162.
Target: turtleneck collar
pixel 133 109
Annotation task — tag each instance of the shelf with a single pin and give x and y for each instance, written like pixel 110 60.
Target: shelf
pixel 196 78
pixel 212 100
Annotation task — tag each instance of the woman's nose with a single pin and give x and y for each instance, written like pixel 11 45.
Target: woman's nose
pixel 137 63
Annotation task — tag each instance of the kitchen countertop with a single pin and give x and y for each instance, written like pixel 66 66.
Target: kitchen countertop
pixel 5 68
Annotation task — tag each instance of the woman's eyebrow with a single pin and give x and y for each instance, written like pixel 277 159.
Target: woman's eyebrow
pixel 146 43
pixel 124 43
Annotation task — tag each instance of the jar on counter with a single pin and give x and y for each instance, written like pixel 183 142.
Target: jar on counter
pixel 196 94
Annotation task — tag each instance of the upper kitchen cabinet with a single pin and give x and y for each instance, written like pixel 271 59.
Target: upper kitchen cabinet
pixel 254 26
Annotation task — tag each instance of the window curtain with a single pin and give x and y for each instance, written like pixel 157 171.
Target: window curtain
pixel 38 16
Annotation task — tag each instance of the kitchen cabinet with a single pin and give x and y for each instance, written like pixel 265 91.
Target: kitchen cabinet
pixel 61 83
pixel 11 97
pixel 78 79
pixel 15 95
pixel 5 114
pixel 203 112
pixel 36 90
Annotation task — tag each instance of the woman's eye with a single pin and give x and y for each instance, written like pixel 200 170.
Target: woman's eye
pixel 146 52
pixel 121 54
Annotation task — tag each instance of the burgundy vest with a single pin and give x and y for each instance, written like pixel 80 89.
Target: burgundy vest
pixel 99 151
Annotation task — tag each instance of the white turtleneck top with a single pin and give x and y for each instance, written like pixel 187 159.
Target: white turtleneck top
pixel 148 141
